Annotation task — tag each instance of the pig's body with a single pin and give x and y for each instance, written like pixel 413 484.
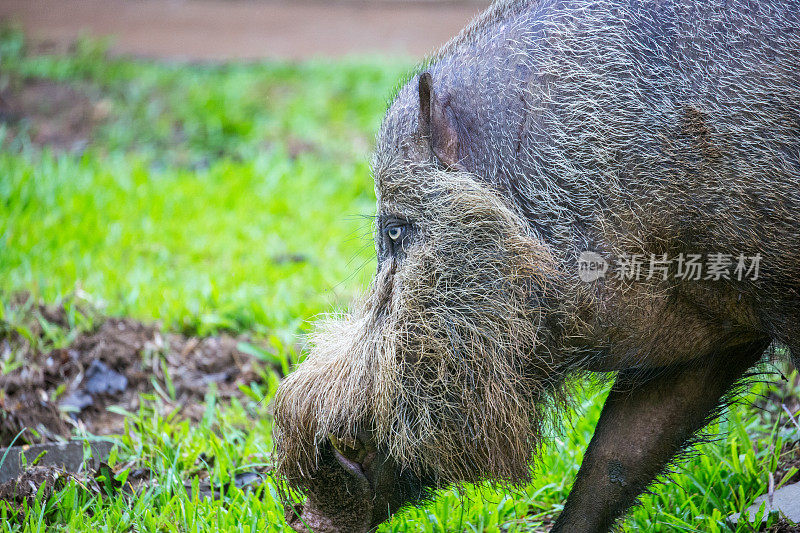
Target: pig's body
pixel 621 128
pixel 639 127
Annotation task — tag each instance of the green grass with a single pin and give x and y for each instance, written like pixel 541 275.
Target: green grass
pixel 187 207
pixel 196 191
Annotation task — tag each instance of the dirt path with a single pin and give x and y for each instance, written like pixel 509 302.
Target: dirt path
pixel 226 29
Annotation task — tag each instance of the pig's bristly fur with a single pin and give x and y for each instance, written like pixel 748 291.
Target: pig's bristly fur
pixel 616 127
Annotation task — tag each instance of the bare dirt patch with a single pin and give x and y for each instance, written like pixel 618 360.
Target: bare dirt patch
pixel 112 365
pixel 60 115
pixel 21 492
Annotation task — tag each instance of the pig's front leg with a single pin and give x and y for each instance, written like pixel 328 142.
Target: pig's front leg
pixel 645 422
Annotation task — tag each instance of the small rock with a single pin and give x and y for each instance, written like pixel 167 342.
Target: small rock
pixel 785 500
pixel 102 380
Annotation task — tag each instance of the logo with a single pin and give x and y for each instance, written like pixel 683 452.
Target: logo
pixel 591 266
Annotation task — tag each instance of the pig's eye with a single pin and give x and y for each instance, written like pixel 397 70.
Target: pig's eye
pixel 395 233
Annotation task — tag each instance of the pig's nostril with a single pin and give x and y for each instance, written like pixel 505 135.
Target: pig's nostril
pixel 352 449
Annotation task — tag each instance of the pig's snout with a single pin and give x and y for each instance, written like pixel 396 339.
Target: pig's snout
pixel 346 494
pixel 356 456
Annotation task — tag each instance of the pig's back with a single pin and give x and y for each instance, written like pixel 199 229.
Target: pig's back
pixel 685 110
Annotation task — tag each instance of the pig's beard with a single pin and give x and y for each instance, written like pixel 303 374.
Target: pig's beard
pixel 330 393
pixel 442 362
pixel 461 393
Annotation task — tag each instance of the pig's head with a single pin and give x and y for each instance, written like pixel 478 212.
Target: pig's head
pixel 438 375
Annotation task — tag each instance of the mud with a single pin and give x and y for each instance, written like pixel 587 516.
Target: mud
pixel 40 483
pixel 58 389
pixel 72 456
pixel 62 116
pixel 21 492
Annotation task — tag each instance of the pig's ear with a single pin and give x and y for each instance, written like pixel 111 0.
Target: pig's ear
pixel 437 123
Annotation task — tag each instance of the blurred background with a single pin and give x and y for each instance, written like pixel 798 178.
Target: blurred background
pixel 184 188
pixel 231 29
pixel 270 107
